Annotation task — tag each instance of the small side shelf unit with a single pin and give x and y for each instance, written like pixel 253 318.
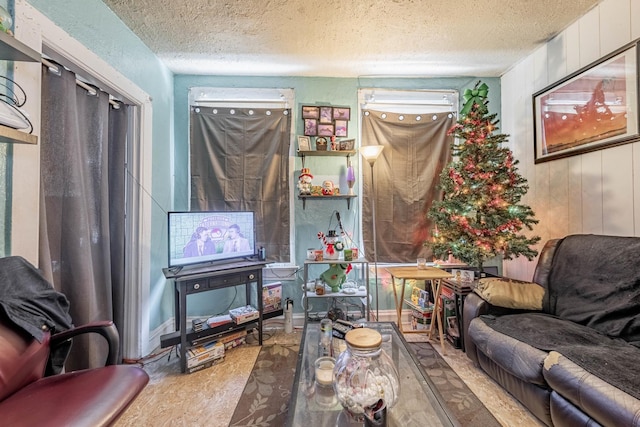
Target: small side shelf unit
pixel 12 49
pixel 330 153
pixel 362 279
pixel 190 281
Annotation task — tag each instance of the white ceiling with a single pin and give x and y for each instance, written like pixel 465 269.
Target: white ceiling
pixel 346 38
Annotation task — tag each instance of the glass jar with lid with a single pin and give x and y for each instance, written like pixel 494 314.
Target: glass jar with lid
pixel 364 373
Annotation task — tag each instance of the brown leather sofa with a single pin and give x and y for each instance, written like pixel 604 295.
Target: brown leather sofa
pixel 574 361
pixel 90 397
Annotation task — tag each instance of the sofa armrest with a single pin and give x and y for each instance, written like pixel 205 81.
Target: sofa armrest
pixel 106 329
pixel 475 306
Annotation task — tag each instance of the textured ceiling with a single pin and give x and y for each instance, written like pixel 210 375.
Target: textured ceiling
pixel 346 38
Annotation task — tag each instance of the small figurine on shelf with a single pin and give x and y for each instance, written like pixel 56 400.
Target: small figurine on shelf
pixel 334 143
pixel 327 188
pixel 304 181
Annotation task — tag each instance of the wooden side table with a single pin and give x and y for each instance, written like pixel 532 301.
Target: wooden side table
pixel 434 275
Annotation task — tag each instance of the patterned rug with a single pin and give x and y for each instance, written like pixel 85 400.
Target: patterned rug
pixel 265 399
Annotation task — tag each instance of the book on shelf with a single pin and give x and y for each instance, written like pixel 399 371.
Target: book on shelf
pixel 218 320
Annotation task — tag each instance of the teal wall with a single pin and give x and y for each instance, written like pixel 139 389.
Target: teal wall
pixel 308 91
pixel 94 25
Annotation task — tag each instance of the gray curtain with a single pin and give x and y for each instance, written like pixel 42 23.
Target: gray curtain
pixel 240 162
pixel 83 146
pixel 406 176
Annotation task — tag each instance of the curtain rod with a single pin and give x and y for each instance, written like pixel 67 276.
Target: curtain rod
pixel 92 90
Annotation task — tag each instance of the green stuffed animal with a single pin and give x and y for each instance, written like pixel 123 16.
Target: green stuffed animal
pixel 335 276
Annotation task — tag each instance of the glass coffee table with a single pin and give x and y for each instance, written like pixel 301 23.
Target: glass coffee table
pixel 314 405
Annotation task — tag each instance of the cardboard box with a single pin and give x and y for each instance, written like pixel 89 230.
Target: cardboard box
pixel 271 297
pixel 203 353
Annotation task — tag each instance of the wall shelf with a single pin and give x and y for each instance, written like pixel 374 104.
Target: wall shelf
pixel 11 135
pixel 14 50
pixel 335 153
pixel 347 197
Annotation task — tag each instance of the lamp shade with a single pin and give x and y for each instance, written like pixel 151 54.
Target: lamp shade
pixel 371 152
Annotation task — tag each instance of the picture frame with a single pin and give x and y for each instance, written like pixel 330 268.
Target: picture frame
pixel 341 113
pixel 462 276
pixel 347 144
pixel 325 130
pixel 341 127
pixel 310 112
pixel 326 115
pixel 594 108
pixel 304 143
pixel 310 127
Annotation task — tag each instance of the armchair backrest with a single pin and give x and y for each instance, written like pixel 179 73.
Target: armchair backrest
pixel 23 359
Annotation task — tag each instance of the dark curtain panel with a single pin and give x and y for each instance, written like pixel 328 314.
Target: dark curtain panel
pixel 82 205
pixel 240 162
pixel 406 176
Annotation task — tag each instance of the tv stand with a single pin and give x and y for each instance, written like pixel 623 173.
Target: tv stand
pixel 204 278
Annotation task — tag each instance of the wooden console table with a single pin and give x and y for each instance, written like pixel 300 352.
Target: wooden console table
pixel 434 276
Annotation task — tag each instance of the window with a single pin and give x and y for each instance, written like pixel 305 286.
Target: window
pixel 412 126
pixel 239 159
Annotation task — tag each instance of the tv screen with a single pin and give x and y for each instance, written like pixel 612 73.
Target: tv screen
pixel 205 236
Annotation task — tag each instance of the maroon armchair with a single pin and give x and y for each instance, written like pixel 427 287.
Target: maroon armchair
pixel 89 397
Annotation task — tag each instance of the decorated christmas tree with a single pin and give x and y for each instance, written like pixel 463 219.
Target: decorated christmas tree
pixel 480 215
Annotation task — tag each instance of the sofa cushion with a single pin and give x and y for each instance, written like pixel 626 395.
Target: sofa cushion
pixel 510 293
pixel 519 359
pixel 600 400
pixel 595 281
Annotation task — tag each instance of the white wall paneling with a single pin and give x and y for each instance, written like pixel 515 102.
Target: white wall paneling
pixel 597 192
pixel 557 57
pixel 617 190
pixel 635 182
pixel 589 37
pixel 574 199
pixel 572 46
pixel 635 19
pixel 617 27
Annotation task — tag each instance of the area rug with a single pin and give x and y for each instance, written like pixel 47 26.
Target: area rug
pixel 265 399
pixel 460 400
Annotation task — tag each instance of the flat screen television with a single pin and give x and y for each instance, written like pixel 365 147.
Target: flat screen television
pixel 197 237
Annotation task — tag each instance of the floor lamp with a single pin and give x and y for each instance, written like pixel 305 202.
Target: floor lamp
pixel 370 153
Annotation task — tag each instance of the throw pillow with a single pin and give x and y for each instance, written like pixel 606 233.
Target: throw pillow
pixel 510 293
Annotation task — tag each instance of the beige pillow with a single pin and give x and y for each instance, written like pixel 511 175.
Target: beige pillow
pixel 510 293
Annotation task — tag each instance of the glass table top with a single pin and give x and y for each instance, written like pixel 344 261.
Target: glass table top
pixel 314 405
